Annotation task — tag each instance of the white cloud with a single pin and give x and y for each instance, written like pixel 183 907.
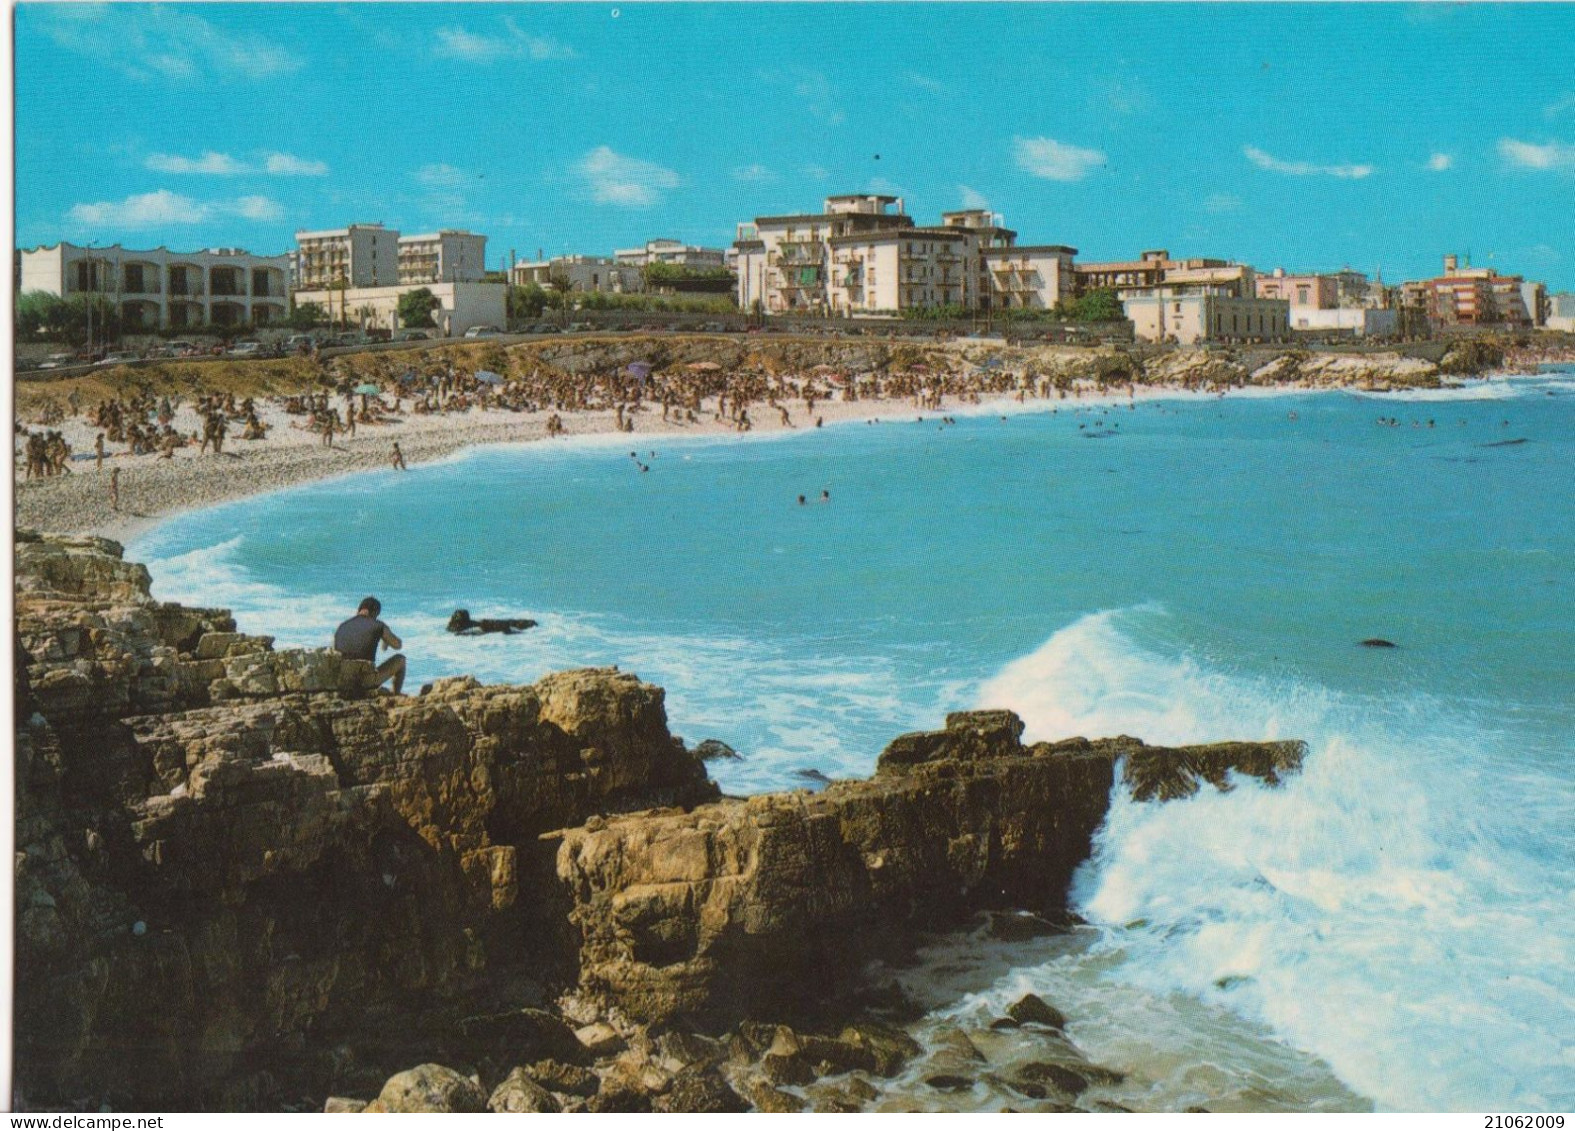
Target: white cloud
pixel 441 176
pixel 1558 106
pixel 209 164
pixel 972 198
pixel 212 164
pixel 289 165
pixel 756 173
pixel 151 209
pixel 1305 168
pixel 817 172
pixel 254 208
pixel 1054 160
pixel 1219 202
pixel 144 210
pixel 1440 162
pixel 627 182
pixel 1524 155
pixel 457 43
pixel 152 41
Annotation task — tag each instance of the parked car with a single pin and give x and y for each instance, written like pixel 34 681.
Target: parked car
pixel 58 361
pixel 482 332
pixel 249 348
pixel 121 357
pixel 414 336
pixel 298 343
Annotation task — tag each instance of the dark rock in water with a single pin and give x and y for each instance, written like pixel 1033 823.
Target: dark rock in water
pixel 714 749
pixel 812 775
pixel 1378 642
pixel 1058 1076
pixel 1154 772
pixel 461 623
pixel 1001 1023
pixel 1031 1009
pixel 945 1082
pixel 1020 926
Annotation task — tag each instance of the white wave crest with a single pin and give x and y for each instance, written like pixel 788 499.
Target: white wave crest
pixel 1401 908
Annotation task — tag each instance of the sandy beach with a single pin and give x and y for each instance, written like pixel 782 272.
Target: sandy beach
pixel 153 488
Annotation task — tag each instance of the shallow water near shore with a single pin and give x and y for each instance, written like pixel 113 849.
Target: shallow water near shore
pixel 1184 571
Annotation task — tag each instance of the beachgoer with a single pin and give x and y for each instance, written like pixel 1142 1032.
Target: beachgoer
pixel 801 500
pixel 114 489
pixel 825 496
pixel 98 452
pixel 399 458
pixel 359 637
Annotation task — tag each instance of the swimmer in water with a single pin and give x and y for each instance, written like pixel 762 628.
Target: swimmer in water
pixel 801 500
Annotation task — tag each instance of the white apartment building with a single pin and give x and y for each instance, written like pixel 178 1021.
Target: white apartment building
pixel 585 273
pixel 361 255
pixel 160 288
pixel 784 262
pixel 460 306
pixel 1190 312
pixel 1561 312
pixel 1033 277
pixel 890 271
pixel 673 253
pixel 447 256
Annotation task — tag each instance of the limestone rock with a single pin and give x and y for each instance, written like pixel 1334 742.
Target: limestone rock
pixel 519 1093
pixel 1031 1009
pixel 430 1088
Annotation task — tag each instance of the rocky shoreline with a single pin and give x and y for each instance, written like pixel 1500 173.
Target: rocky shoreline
pixel 243 884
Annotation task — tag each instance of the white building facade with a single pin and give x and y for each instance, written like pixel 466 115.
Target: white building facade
pixel 1029 278
pixel 585 273
pixel 448 256
pixel 1188 313
pixel 673 253
pixel 460 306
pixel 161 289
pixel 361 255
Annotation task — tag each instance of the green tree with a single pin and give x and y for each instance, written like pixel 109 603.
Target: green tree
pixel 307 315
pixel 39 314
pixel 416 307
pixel 1098 305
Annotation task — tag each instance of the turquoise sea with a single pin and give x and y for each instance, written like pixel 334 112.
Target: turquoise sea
pixel 1397 922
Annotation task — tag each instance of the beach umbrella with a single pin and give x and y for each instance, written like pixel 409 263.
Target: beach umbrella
pixel 368 390
pixel 487 377
pixel 992 363
pixel 640 369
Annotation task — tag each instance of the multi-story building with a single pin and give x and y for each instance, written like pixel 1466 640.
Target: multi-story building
pixel 584 273
pixel 1187 313
pixel 673 253
pixel 1561 312
pixel 361 255
pixel 1473 296
pixel 447 256
pixel 1343 302
pixel 863 255
pixel 784 262
pixel 1031 277
pixel 160 288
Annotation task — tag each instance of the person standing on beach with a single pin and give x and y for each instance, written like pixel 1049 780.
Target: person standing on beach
pixel 399 458
pixel 359 637
pixel 114 489
pixel 98 452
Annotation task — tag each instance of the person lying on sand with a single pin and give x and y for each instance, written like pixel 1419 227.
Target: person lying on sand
pixel 462 624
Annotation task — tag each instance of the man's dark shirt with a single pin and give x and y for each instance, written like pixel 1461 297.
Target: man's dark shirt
pixel 358 637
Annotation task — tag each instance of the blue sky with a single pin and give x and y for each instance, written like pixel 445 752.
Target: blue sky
pixel 1303 136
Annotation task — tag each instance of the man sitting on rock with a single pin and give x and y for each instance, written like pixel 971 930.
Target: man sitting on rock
pixel 359 636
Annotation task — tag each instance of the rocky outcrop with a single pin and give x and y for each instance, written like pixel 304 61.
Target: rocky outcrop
pixel 222 872
pixel 760 904
pixel 242 879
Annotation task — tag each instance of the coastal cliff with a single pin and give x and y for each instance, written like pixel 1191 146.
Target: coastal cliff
pixel 242 882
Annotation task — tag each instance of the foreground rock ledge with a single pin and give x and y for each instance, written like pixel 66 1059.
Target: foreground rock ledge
pixel 240 879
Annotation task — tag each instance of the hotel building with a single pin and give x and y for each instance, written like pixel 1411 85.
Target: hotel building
pixel 448 256
pixel 159 288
